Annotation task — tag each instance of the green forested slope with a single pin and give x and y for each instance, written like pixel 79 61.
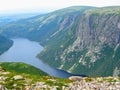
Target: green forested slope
pixel 5 44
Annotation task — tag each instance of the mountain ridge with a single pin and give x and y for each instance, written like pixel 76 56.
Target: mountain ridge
pixel 86 50
pixel 84 41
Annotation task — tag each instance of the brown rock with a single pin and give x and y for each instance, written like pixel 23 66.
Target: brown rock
pixel 18 77
pixel 75 78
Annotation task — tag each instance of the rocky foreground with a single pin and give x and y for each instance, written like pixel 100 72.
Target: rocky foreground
pixel 12 81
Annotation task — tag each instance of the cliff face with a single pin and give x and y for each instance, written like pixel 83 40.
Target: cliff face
pixel 97 47
pixel 90 46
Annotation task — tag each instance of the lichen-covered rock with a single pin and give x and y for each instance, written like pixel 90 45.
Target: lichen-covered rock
pixel 75 78
pixel 2 78
pixel 5 73
pixel 3 87
pixel 18 77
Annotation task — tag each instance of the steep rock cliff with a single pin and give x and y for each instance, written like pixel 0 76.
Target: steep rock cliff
pixel 90 46
pixel 96 50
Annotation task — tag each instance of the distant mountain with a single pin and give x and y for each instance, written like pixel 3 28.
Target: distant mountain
pixel 43 27
pixel 8 18
pixel 81 40
pixel 5 44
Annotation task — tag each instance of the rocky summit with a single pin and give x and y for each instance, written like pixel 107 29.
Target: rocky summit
pixel 14 81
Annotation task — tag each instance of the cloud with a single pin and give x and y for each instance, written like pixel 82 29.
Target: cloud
pixel 11 5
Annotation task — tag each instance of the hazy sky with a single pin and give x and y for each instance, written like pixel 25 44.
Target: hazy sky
pixel 48 5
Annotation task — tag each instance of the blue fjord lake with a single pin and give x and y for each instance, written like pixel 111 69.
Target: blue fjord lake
pixel 24 50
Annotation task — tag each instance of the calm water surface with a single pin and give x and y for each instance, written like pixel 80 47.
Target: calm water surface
pixel 24 50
